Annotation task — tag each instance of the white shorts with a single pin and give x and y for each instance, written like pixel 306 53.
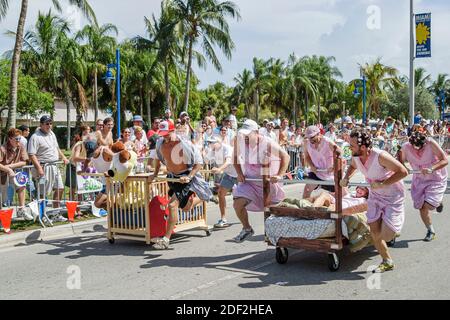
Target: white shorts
pixel 53 180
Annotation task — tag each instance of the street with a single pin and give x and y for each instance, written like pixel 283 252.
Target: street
pixel 200 267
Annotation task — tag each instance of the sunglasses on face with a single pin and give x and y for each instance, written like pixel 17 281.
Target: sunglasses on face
pixel 48 123
pixel 16 138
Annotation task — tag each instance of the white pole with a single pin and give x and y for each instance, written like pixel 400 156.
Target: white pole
pixel 411 64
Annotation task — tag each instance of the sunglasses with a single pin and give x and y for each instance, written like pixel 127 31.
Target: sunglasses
pixel 16 138
pixel 48 123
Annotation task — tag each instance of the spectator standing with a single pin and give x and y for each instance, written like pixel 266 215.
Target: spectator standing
pixel 233 119
pixel 210 119
pixel 43 151
pixel 104 136
pixel 138 122
pixel 13 156
pixel 25 132
pixel 185 129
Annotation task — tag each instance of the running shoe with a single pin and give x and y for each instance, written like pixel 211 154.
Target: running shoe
pixel 430 236
pixel 384 266
pixel 440 208
pixel 222 223
pixel 161 244
pixel 244 234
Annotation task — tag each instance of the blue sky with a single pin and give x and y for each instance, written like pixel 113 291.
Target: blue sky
pixel 277 28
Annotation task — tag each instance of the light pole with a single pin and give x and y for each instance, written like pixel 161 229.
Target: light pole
pixel 343 114
pixel 411 63
pixel 441 99
pixel 109 77
pixel 356 93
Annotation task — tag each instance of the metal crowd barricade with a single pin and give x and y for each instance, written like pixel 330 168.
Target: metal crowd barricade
pixel 295 154
pixel 129 209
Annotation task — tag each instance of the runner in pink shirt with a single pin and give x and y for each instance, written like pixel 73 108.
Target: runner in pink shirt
pixel 428 187
pixel 386 212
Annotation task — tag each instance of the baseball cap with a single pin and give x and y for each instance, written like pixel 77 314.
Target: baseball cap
pixel 167 111
pixel 165 127
pixel 90 146
pixel 138 118
pixel 248 126
pixel 312 131
pixel 183 113
pixel 45 119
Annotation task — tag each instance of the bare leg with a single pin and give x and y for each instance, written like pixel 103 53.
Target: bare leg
pixel 21 195
pixel 380 234
pixel 222 201
pixel 309 188
pixel 425 214
pixel 57 196
pixel 241 212
pixel 173 216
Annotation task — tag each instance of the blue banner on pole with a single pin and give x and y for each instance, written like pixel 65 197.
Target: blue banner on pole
pixel 423 35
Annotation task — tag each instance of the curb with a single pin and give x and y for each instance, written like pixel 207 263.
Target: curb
pixel 43 234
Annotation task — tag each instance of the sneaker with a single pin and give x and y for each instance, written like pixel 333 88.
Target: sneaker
pixel 222 223
pixel 161 244
pixel 59 218
pixel 430 236
pixel 26 213
pixel 384 266
pixel 243 235
pixel 214 199
pixel 440 208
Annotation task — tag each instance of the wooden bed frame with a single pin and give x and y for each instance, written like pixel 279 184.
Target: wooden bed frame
pixel 129 212
pixel 328 245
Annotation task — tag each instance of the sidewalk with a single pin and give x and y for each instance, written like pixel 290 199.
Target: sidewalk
pixel 43 234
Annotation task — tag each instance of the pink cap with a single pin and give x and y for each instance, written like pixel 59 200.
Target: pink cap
pixel 312 131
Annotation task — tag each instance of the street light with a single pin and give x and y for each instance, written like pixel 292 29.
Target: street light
pixel 441 99
pixel 356 94
pixel 109 77
pixel 343 114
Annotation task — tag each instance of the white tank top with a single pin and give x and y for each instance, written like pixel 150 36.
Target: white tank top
pixel 100 164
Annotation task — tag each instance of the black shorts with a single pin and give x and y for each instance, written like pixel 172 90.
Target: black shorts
pixel 313 176
pixel 180 190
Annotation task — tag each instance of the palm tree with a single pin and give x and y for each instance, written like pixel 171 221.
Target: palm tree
pixel 83 5
pixel 243 88
pixel 59 63
pixel 167 41
pixel 204 21
pixel 421 79
pixel 379 78
pixel 260 81
pixel 98 51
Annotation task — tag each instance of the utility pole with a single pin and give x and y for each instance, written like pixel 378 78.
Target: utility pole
pixel 411 65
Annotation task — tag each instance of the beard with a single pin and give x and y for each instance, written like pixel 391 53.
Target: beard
pixel 357 153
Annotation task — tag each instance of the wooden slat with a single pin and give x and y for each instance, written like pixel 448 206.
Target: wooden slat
pixel 308 213
pixel 320 245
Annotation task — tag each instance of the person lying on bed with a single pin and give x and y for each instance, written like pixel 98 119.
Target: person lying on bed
pixel 350 203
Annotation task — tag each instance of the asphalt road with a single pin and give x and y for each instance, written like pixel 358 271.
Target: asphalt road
pixel 200 267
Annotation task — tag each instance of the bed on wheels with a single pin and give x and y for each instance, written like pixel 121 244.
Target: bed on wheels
pixel 310 217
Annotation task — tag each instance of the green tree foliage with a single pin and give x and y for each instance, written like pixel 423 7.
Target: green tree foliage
pixel 31 101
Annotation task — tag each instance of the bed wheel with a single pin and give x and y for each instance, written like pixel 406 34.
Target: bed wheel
pixel 281 255
pixel 208 233
pixel 333 262
pixel 111 241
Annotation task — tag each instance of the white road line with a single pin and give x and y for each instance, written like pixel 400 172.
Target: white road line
pixel 234 275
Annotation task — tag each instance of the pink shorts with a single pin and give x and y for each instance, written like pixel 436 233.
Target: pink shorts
pixel 392 213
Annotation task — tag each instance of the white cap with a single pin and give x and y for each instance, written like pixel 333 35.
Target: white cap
pixel 248 126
